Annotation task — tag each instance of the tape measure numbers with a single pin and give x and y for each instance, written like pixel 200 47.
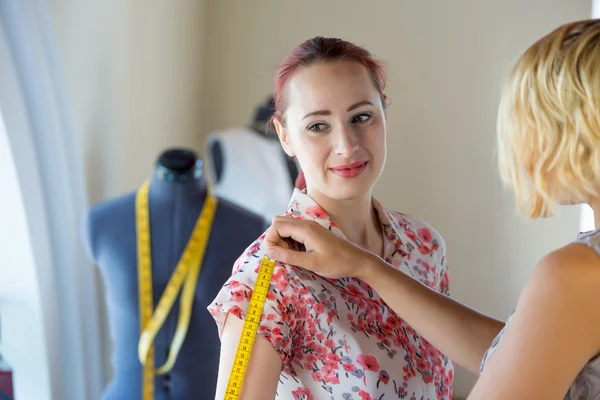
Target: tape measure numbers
pixel 185 275
pixel 251 323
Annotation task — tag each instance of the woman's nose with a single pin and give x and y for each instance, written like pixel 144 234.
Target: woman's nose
pixel 346 142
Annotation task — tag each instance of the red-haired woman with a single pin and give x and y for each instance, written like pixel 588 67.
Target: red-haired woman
pixel 336 338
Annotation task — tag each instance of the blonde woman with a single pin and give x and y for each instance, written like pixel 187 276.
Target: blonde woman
pixel 549 152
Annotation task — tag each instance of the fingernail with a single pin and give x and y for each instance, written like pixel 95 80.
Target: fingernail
pixel 273 253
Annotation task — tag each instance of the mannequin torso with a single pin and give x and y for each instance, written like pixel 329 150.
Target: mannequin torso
pixel 248 166
pixel 110 237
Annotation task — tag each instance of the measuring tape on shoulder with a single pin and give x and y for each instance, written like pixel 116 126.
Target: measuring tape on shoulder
pixel 185 275
pixel 251 324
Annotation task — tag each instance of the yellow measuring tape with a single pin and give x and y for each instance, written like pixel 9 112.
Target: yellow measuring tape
pixel 251 323
pixel 186 275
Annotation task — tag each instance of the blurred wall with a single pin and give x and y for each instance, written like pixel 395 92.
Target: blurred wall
pixel 446 62
pixel 134 75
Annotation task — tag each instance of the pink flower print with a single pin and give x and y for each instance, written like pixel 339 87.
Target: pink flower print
pixel 427 377
pixel 321 351
pixel 311 358
pixel 282 285
pixel 364 395
pixel 365 286
pixel 316 212
pixel 252 250
pixel 330 316
pixel 424 250
pixel 394 322
pixel 430 352
pixel 353 290
pixel 235 310
pixel 426 266
pixel 317 377
pixel 319 309
pixel 410 235
pixel 425 235
pixel 302 394
pixel 368 363
pixel 330 376
pixel 446 380
pixel 238 295
pixel 348 367
pixel 331 364
pixel 384 376
pixel 423 365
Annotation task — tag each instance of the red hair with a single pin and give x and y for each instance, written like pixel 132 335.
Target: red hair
pixel 320 49
pixel 300 181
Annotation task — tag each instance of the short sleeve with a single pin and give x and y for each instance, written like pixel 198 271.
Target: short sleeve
pixel 277 319
pixel 442 270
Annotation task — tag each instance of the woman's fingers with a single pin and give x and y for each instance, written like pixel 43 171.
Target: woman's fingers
pixel 289 256
pixel 287 227
pixel 276 241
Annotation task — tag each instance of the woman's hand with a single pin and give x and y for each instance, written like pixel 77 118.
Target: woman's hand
pixel 325 253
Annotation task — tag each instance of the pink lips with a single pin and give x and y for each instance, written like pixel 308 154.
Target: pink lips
pixel 349 170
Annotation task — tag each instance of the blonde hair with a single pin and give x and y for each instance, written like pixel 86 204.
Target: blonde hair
pixel 549 119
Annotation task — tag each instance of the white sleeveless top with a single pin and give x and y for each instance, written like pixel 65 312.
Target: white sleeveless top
pixel 255 173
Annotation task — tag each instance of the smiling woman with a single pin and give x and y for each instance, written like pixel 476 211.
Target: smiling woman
pixel 336 338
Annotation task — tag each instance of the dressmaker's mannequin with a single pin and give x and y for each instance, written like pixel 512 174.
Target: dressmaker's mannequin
pixel 176 197
pixel 248 166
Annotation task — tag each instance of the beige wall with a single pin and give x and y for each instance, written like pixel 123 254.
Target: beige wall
pixel 446 61
pixel 134 79
pixel 142 78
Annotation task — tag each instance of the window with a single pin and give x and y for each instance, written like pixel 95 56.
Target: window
pixel 587 219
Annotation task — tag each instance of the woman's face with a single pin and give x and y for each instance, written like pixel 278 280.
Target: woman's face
pixel 336 127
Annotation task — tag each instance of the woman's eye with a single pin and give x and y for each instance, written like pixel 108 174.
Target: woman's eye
pixel 316 127
pixel 361 118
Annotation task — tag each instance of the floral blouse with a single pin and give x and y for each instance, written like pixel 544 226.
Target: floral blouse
pixel 336 337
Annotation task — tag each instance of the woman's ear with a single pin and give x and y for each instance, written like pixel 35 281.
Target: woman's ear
pixel 283 137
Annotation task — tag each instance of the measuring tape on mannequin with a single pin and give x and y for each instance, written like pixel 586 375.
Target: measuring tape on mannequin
pixel 251 323
pixel 184 279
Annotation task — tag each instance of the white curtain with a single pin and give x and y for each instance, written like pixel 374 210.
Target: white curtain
pixel 46 156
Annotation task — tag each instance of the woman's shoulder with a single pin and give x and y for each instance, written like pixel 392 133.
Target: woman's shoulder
pixel 246 269
pixel 577 263
pixel 568 276
pixel 283 296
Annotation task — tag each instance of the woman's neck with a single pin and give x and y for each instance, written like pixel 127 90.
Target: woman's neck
pixel 356 218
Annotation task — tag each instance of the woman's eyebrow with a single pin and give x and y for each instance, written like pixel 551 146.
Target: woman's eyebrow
pixel 327 112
